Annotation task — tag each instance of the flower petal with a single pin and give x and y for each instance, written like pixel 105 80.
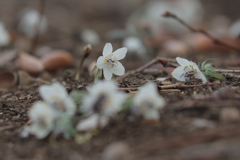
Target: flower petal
pixel 152 115
pixel 107 49
pixel 200 75
pixel 183 62
pixel 100 62
pixel 49 91
pixel 120 53
pixel 177 73
pixel 107 73
pixel 92 123
pixel 118 70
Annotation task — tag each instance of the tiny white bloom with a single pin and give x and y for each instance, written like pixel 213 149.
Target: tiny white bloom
pixel 103 99
pixel 57 97
pixel 43 120
pixel 92 123
pixel 90 37
pixel 4 35
pixel 147 102
pixel 32 23
pixel 186 70
pixel 109 62
pixel 134 45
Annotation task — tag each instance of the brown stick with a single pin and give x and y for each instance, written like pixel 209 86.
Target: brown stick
pixel 201 31
pixel 227 70
pixel 231 75
pixel 172 86
pixel 181 85
pixel 164 61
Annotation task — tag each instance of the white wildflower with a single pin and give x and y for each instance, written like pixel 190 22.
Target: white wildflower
pixel 109 62
pixel 42 116
pixel 186 70
pixel 4 35
pixel 103 99
pixel 135 45
pixel 90 37
pixel 58 99
pixel 147 102
pixel 92 123
pixel 32 23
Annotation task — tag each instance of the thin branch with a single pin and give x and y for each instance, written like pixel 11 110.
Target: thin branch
pixel 227 70
pixel 172 86
pixel 231 75
pixel 181 85
pixel 201 31
pixel 163 61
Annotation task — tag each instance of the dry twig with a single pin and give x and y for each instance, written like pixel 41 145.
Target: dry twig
pixel 201 31
pixel 164 61
pixel 171 86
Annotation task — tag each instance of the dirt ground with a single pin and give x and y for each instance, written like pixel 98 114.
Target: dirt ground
pixel 198 123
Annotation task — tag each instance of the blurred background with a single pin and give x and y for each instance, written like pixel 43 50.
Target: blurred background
pixel 136 24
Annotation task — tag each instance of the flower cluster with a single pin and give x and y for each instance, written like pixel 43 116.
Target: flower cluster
pixel 51 114
pixel 101 104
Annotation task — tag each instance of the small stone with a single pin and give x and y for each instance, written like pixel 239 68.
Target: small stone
pixel 16 117
pixel 117 151
pixel 229 114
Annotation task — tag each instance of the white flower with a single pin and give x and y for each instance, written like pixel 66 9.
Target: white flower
pixel 148 101
pixel 90 37
pixel 32 23
pixel 58 99
pixel 109 62
pixel 92 123
pixel 103 99
pixel 4 35
pixel 186 70
pixel 134 45
pixel 42 116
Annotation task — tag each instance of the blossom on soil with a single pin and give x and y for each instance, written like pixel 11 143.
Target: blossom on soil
pixel 57 97
pixel 135 45
pixel 103 99
pixel 109 62
pixel 186 70
pixel 43 120
pixel 4 35
pixel 102 102
pixel 147 102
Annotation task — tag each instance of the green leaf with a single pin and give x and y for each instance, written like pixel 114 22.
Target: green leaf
pixel 94 69
pixel 77 96
pixel 214 74
pixel 127 104
pixel 64 125
pixel 97 75
pixel 203 64
pixel 209 66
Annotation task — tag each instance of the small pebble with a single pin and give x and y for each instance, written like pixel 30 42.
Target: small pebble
pixel 229 114
pixel 117 151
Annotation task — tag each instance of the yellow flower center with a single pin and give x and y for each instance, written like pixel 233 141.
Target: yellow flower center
pixel 110 61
